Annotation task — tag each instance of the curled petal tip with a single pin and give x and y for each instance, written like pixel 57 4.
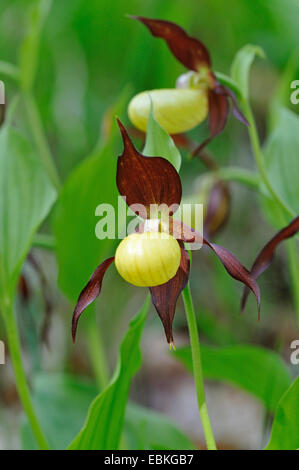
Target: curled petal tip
pixel 74 325
pixel 89 293
pixel 74 337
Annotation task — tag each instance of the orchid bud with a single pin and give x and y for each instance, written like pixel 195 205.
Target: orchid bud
pixel 215 196
pixel 176 110
pixel 148 259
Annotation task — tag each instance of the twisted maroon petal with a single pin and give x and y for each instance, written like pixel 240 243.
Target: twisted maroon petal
pixel 232 265
pixel 146 181
pixel 191 52
pixel 235 108
pixel 165 296
pixel 90 292
pixel 265 257
pixel 218 113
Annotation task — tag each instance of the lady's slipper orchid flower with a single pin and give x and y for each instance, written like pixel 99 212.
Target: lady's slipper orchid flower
pixel 152 256
pixel 198 91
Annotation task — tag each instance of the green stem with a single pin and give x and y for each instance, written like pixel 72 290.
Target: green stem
pixel 38 133
pixel 259 158
pixel 197 369
pixel 44 240
pixel 21 382
pixel 293 259
pixel 96 351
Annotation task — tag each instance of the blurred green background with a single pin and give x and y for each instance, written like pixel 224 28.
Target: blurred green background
pixel 90 51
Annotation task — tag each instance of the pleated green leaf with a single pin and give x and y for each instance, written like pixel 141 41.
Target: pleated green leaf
pixel 257 370
pixel 241 66
pixel 103 427
pixel 26 196
pixel 285 429
pixel 159 144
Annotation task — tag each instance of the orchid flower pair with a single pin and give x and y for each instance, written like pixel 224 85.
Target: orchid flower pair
pixel 155 255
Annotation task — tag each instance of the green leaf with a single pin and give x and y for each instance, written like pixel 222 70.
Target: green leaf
pixel 281 96
pixel 93 182
pixel 271 210
pixel 285 429
pixel 258 371
pixel 30 44
pixel 281 158
pixel 103 426
pixel 78 249
pixel 159 143
pixel 146 429
pixel 26 196
pixel 62 401
pixel 241 66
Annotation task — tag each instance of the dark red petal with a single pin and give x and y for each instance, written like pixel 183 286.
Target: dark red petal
pixel 146 180
pixel 265 257
pixel 90 292
pixel 235 108
pixel 236 270
pixel 165 296
pixel 218 114
pixel 232 265
pixel 191 52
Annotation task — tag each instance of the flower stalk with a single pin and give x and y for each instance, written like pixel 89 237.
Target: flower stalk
pixel 20 376
pixel 259 158
pixel 197 369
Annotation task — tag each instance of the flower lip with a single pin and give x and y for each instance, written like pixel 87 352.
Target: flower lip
pixel 176 109
pixel 148 259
